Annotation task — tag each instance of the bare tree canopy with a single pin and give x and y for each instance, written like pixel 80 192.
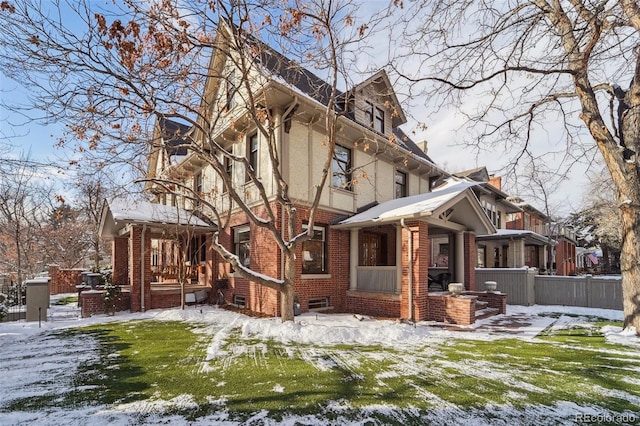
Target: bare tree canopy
pixel 119 77
pixel 525 63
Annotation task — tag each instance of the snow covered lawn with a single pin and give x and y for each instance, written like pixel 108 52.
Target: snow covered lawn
pixel 535 365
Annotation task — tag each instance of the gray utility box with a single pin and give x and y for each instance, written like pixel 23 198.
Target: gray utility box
pixel 37 299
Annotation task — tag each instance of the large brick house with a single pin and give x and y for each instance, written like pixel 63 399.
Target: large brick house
pixel 371 250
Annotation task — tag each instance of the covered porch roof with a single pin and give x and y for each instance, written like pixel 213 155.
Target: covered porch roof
pixel 529 237
pixel 452 206
pixel 118 214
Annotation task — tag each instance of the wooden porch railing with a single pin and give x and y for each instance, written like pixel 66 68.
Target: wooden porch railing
pixel 171 272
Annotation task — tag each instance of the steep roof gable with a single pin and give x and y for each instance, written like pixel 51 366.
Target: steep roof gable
pixel 381 85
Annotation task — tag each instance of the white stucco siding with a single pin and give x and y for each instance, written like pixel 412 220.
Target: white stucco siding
pixel 365 178
pixel 385 181
pixel 299 161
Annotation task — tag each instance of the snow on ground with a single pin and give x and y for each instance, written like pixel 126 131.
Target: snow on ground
pixel 21 376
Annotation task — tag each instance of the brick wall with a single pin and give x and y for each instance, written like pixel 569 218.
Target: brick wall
pixel 92 302
pixel 266 259
pixel 64 280
pixel 453 310
pixel 120 261
pixel 494 300
pixel 165 300
pixel 374 304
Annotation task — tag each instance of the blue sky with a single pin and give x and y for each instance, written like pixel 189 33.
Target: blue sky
pixel 443 135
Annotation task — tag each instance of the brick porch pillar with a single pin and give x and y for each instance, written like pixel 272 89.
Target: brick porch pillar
pixel 420 260
pixel 140 249
pixel 470 254
pixel 120 260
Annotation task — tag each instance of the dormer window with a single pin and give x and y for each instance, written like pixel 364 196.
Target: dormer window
pixel 374 117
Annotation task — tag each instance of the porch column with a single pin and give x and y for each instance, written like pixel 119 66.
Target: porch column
pixel 413 302
pixel 518 253
pixel 353 259
pixel 120 260
pixel 470 253
pixel 140 268
pixel 460 259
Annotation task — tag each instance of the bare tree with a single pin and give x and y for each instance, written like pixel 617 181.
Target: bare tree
pixel 25 200
pixel 91 191
pixel 518 66
pixel 597 224
pixel 114 74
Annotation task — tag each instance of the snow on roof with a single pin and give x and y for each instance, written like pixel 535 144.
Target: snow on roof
pixel 413 206
pixel 143 211
pixel 517 233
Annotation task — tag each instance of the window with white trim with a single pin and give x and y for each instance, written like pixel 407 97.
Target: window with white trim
pixel 252 154
pixel 401 184
pixel 314 251
pixel 341 168
pixel 242 244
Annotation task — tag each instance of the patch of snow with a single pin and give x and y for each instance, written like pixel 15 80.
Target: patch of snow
pixel 52 362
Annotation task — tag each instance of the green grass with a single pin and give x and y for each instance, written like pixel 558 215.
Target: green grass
pixel 149 361
pixel 66 300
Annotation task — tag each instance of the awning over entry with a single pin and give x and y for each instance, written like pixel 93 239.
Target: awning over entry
pixel 451 206
pixel 118 214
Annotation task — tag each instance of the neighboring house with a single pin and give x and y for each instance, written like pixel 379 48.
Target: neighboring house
pixel 378 216
pixel 524 235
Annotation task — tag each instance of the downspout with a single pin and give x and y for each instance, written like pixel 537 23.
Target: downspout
pixel 410 260
pixel 142 267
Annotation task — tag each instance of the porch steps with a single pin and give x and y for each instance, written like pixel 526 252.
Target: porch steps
pixel 483 311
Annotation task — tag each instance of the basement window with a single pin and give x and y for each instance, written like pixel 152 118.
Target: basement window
pixel 318 303
pixel 239 301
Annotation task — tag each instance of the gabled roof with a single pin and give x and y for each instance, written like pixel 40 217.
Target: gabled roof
pixel 298 78
pixel 479 174
pixel 174 135
pixel 454 195
pixel 529 237
pixel 119 213
pixel 517 201
pixel 381 78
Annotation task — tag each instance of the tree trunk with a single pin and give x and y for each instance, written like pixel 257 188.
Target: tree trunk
pixel 629 265
pixel 627 184
pixel 287 293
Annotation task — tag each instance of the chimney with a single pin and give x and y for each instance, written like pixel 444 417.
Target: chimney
pixel 496 182
pixel 423 145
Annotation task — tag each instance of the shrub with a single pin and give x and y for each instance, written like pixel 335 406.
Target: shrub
pixel 112 293
pixel 4 308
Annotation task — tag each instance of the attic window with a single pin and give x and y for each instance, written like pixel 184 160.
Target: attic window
pixel 374 117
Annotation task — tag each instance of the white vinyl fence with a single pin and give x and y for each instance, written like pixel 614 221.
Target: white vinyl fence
pixel 524 287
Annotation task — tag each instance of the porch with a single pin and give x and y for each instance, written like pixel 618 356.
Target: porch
pixel 155 248
pixel 395 246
